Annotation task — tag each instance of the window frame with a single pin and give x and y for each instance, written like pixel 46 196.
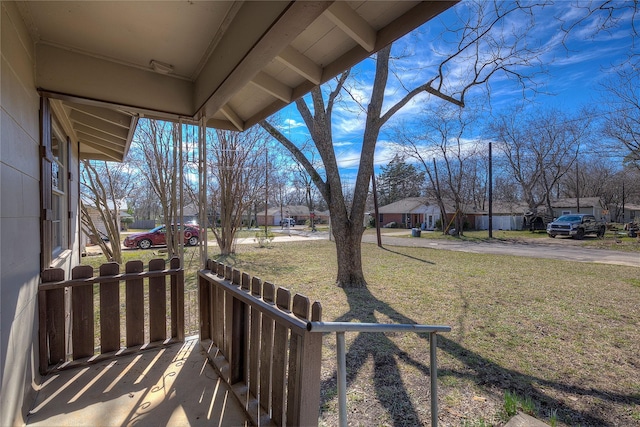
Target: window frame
pixel 55 239
pixel 60 215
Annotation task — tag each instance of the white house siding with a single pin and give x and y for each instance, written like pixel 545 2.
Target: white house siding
pixel 20 219
pixel 19 216
pixel 499 222
pixel 429 215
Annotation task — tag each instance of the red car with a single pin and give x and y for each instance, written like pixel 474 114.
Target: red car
pixel 157 237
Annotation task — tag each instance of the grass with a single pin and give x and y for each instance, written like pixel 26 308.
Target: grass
pixel 510 404
pixel 563 334
pixel 514 403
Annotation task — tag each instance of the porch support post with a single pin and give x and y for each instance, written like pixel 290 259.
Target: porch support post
pixel 180 231
pixel 202 174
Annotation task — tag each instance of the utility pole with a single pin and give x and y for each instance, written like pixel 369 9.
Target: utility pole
pixel 266 189
pixel 577 188
pixel 375 208
pixel 623 200
pixel 443 213
pixel 490 193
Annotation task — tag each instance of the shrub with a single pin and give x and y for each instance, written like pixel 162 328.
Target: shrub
pixel 264 241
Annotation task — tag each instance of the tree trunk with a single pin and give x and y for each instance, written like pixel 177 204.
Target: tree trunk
pixel 348 237
pixel 459 223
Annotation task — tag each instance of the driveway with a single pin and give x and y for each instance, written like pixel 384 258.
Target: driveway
pixel 534 248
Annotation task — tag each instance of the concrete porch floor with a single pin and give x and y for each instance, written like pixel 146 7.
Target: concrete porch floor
pixel 172 386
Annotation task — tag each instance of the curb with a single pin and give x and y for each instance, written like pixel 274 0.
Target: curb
pixel 524 420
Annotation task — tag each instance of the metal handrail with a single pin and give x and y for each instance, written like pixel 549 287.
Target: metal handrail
pixel 341 327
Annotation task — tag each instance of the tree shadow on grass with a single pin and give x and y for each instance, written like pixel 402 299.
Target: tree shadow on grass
pixel 392 393
pixel 409 256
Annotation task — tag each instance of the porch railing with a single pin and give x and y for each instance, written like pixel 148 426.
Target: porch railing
pixel 341 351
pixel 121 303
pixel 256 335
pixel 268 346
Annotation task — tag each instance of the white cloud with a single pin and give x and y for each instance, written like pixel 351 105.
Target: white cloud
pixel 348 159
pixel 292 124
pixel 342 144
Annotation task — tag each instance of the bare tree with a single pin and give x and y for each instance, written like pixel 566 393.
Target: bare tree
pixel 601 177
pixel 588 178
pixel 482 46
pixel 103 186
pixel 304 186
pixel 622 121
pixel 525 167
pixel 594 17
pixel 144 202
pixel 540 148
pixel 157 145
pixel 238 163
pixel 279 184
pixel 448 157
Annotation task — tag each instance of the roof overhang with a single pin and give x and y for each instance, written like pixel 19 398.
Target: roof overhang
pixel 231 63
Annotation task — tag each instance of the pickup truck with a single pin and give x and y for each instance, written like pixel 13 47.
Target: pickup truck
pixel 576 226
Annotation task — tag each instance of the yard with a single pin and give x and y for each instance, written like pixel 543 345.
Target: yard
pixel 564 347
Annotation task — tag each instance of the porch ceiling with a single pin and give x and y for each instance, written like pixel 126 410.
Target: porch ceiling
pixel 233 63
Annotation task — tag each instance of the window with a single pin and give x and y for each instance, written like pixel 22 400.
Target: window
pixel 59 191
pixel 54 188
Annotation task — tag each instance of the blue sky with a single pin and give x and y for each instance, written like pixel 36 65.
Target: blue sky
pixel 566 72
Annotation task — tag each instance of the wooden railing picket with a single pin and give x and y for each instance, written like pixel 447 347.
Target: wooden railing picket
pixel 300 309
pixel 266 348
pixel 51 318
pixel 228 336
pixel 82 314
pixel 239 344
pixel 229 322
pixel 280 345
pixel 109 309
pixel 157 302
pixel 254 342
pixel 269 292
pixel 316 312
pixel 245 282
pixel 134 291
pixel 304 367
pixel 205 305
pixel 56 335
pixel 218 317
pixel 270 359
pixel 177 301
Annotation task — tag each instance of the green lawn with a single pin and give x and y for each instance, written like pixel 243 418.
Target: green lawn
pixel 563 336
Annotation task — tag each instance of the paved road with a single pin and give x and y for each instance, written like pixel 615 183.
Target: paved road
pixel 566 252
pixel 561 249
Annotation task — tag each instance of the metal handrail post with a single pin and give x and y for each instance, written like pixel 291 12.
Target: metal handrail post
pixel 433 346
pixel 342 378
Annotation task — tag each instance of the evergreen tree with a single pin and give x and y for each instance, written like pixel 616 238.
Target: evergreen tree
pixel 399 180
